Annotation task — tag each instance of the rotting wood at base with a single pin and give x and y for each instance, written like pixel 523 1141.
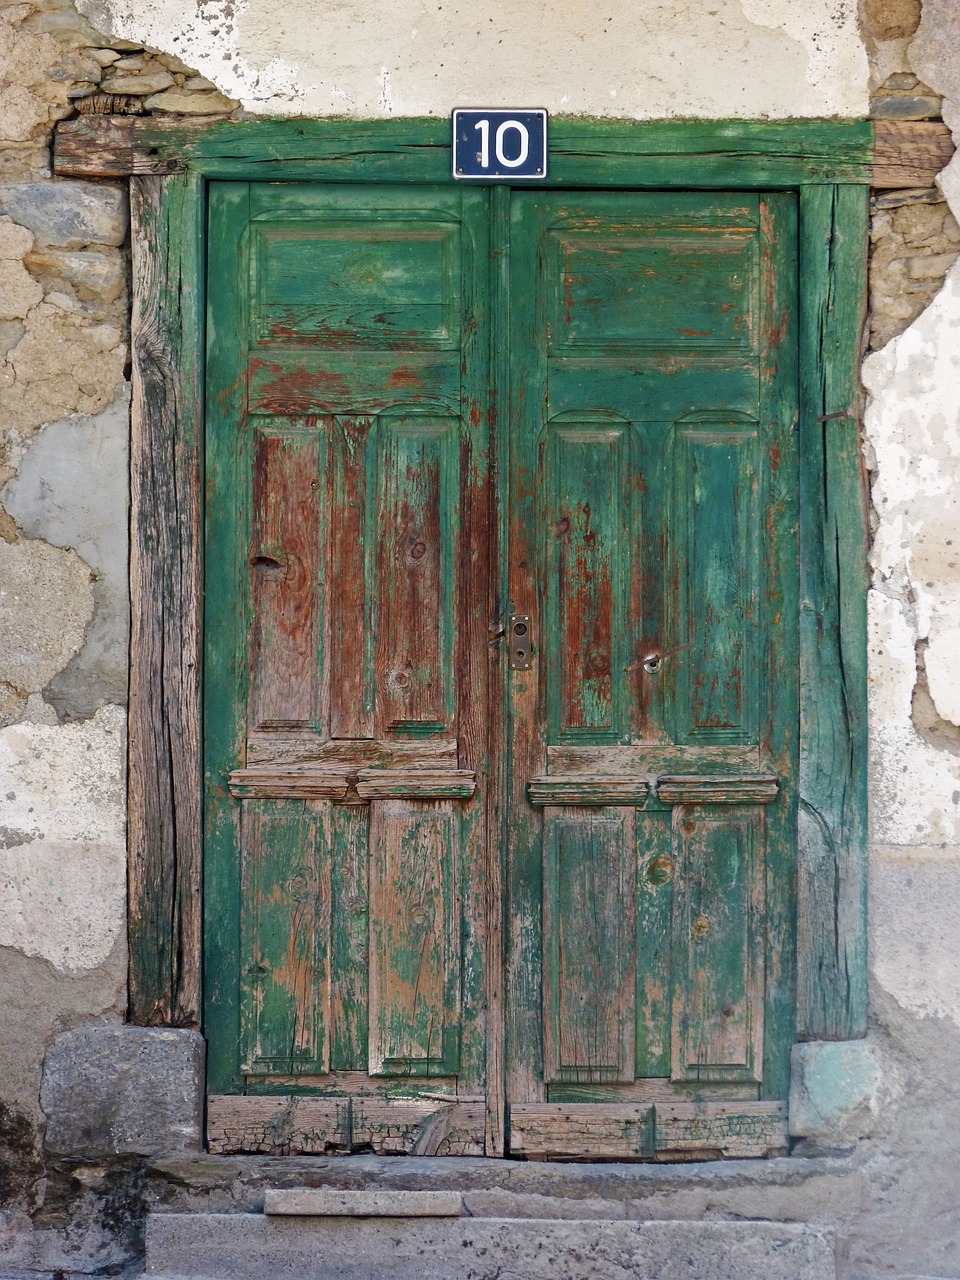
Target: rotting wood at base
pixel 664 1130
pixel 315 1126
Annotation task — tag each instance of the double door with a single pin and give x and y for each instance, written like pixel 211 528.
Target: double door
pixel 500 670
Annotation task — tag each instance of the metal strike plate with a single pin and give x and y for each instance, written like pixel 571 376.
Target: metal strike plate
pixel 520 641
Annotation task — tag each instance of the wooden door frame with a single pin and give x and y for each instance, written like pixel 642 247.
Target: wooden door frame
pixel 829 164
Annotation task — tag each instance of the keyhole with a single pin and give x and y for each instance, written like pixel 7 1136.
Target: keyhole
pixel 653 663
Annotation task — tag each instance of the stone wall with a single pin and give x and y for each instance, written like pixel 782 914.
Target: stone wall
pixel 64 399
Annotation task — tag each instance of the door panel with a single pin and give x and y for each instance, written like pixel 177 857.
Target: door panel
pixel 645 462
pixel 346 552
pixel 653 544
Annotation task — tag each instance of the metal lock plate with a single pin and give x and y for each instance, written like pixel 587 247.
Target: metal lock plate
pixel 520 641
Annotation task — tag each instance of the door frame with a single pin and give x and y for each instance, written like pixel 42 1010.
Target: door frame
pixel 827 163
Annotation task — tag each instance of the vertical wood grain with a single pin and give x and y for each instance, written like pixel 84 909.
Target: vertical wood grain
pixel 832 879
pixel 285 932
pixel 351 648
pixel 164 753
pixel 589 930
pixel 286 575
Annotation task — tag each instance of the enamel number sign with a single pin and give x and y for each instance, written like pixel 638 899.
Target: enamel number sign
pixel 498 145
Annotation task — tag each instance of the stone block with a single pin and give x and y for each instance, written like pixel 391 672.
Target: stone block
pixel 322 1202
pixel 835 1091
pixel 110 1090
pixel 67 214
pixel 255 1247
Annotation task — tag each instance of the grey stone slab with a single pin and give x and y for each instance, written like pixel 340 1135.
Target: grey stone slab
pixel 67 213
pixel 254 1247
pixel 324 1203
pixel 835 1088
pixel 116 1090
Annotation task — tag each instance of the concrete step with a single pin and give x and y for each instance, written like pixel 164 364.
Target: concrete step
pixel 256 1246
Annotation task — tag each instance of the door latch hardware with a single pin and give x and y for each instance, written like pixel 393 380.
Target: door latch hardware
pixel 520 641
pixel 653 663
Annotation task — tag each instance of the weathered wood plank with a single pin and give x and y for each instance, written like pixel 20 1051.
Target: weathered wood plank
pixel 349 756
pixel 277 1126
pixel 291 782
pixel 909 153
pixel 758 789
pixel 416 784
pixel 290 1125
pixel 663 1130
pixel 164 805
pixel 831 910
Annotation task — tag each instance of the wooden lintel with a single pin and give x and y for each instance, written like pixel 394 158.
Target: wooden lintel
pixel 909 153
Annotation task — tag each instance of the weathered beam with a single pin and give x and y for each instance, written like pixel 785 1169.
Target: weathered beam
pixel 164 822
pixel 909 153
pixel 831 872
pixel 664 153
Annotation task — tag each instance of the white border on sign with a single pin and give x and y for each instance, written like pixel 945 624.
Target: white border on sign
pixel 498 177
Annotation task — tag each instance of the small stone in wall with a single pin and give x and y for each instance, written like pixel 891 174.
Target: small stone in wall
pixel 138 83
pixel 181 102
pixel 891 19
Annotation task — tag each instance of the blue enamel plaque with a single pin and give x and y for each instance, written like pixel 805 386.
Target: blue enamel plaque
pixel 499 145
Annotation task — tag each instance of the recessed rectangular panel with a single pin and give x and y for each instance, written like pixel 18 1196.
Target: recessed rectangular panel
pixel 414 949
pixel 718 944
pixel 362 283
pixel 285 937
pixel 716 575
pixel 286 575
pixel 301 381
pixel 416 466
pixel 588 924
pixel 653 293
pixel 588 534
pixel 351 582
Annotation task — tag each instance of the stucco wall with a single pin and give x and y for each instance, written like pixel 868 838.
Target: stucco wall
pixel 63 423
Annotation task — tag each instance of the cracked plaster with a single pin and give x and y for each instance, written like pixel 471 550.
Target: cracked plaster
pixel 768 58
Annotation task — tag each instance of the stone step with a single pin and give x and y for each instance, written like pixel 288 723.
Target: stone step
pixel 254 1246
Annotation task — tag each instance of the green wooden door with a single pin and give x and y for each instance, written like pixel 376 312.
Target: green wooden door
pixel 653 545
pixel 430 926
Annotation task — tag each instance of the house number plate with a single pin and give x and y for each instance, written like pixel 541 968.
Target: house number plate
pixel 498 145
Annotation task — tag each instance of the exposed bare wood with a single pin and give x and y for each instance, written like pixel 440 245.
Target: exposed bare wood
pixel 313 1126
pixel 350 755
pixel 164 802
pixel 646 761
pixel 417 784
pixel 637 1132
pixel 296 783
pixel 277 1126
pixel 588 1131
pixel 909 153
pixel 758 789
pixel 561 789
